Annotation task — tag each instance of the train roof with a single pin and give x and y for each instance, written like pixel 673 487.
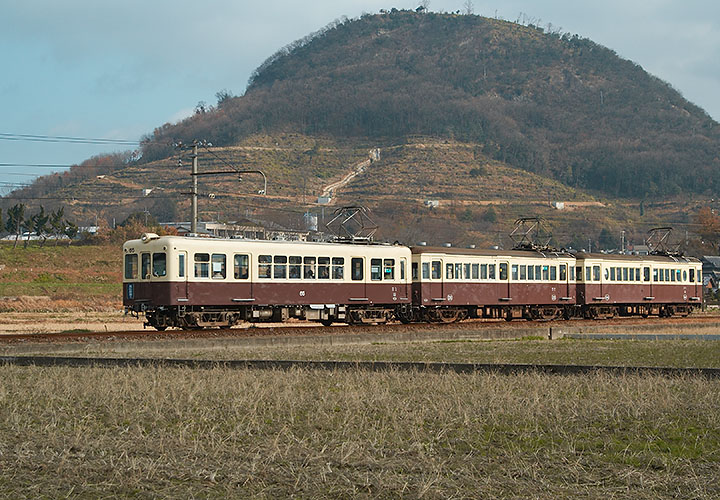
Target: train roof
pixel 636 258
pixel 489 252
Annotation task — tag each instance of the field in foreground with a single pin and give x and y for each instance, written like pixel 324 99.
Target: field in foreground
pixel 224 433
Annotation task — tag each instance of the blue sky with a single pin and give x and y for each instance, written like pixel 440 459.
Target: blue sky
pixel 118 69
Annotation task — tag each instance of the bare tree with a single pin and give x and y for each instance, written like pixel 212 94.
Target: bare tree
pixel 468 8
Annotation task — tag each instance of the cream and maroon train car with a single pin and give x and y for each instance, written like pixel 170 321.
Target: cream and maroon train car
pixel 661 285
pixel 197 282
pixel 451 284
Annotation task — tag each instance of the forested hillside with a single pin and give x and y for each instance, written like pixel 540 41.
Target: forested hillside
pixel 550 103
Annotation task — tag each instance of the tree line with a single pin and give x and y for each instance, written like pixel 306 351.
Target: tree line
pixel 19 222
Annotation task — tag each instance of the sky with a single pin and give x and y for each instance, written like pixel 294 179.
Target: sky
pixel 118 69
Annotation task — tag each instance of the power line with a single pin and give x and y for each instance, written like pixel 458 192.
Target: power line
pixel 66 139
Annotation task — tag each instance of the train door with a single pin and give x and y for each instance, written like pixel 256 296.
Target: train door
pixel 437 289
pixel 242 290
pixel 565 270
pixel 182 288
pixel 504 277
pixel 357 276
pixel 405 279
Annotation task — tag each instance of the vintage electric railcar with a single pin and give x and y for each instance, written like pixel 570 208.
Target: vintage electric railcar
pixel 451 284
pixel 199 282
pixel 661 285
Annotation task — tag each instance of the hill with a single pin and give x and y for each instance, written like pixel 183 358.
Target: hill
pixel 491 119
pixel 549 103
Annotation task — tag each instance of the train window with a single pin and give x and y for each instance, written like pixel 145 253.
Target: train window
pixel 491 271
pixel 692 275
pixel 241 266
pixel 181 265
pixel 538 273
pixel 356 264
pixel 376 269
pixel 295 267
pixel 159 264
pixel 323 268
pixel 514 272
pixel 662 275
pixel 667 274
pixel 578 273
pixel 646 274
pixel 545 273
pixel 426 270
pixel 588 273
pixel 553 273
pixel 309 268
pixel 338 268
pixel 280 267
pixel 264 266
pixel 466 270
pixel 436 270
pixel 484 271
pixel 625 274
pixel 596 273
pixel 218 266
pixel 677 275
pixel 563 272
pixel 458 271
pixel 655 275
pixel 637 274
pixel 530 273
pixel 449 271
pixel 612 274
pixel 414 271
pixel 131 266
pixel 389 269
pixel 523 273
pixel 503 271
pixel 672 274
pixel 684 275
pixel 402 269
pixel 145 270
pixel 476 271
pixel 202 265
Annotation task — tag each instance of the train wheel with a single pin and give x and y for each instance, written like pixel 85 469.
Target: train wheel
pixel 326 322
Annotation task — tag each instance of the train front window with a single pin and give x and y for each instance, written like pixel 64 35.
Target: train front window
pixel 692 275
pixel 426 270
pixel 241 266
pixel 145 274
pixel 596 273
pixel 588 273
pixel 563 272
pixel 159 264
pixel 514 272
pixel 202 265
pixel 131 266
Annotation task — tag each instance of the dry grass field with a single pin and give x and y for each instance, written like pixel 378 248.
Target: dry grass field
pixel 88 433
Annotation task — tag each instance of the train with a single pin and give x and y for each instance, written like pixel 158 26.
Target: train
pixel 193 283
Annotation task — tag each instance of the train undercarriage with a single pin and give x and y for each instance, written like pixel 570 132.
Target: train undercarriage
pixel 198 317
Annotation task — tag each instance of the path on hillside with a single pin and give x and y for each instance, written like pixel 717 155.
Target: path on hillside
pixel 357 170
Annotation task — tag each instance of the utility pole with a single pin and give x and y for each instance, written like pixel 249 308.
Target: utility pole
pixel 194 193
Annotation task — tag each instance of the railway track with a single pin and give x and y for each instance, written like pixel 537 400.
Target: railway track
pixel 287 330
pixel 371 366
